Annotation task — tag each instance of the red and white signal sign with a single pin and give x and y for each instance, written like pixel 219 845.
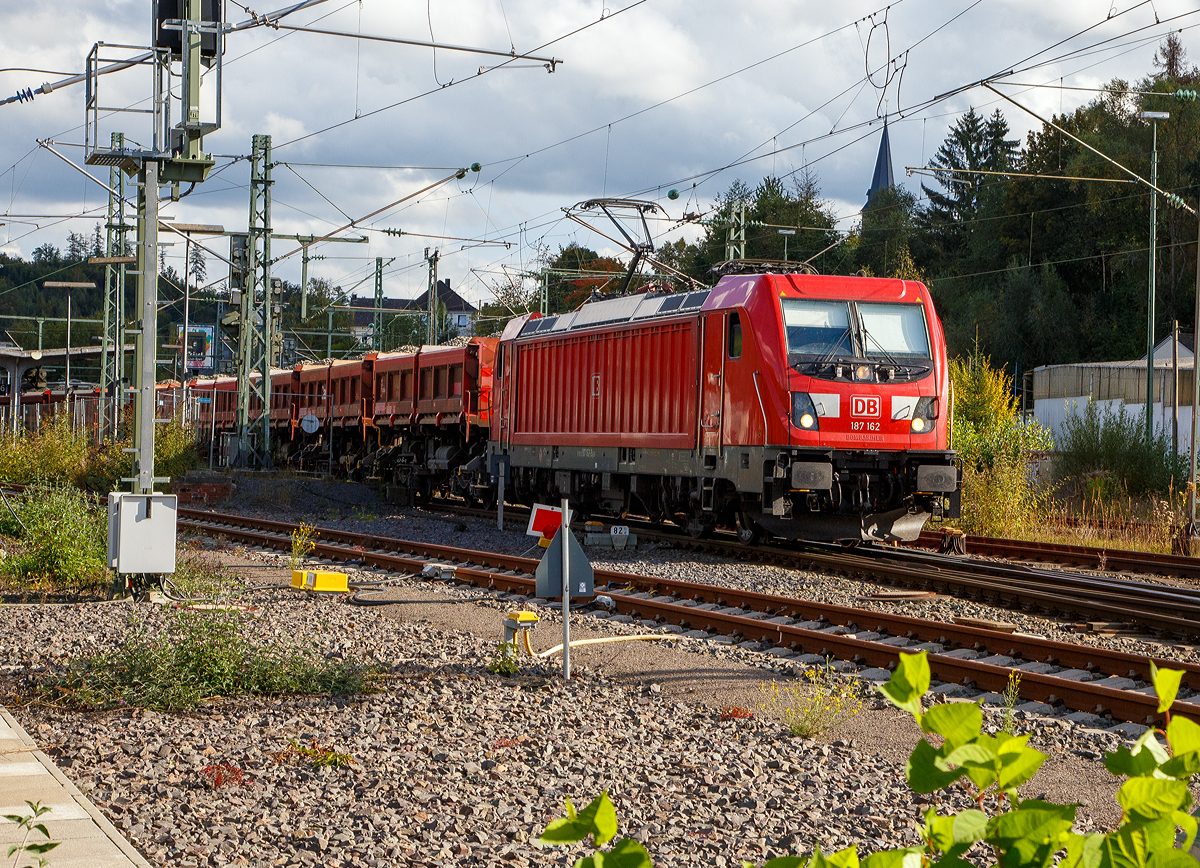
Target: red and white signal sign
pixel 545 520
pixel 864 405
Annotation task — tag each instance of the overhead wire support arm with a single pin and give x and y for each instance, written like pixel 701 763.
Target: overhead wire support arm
pixel 163 224
pixel 1170 197
pixel 269 19
pixel 549 62
pixel 461 173
pixel 936 170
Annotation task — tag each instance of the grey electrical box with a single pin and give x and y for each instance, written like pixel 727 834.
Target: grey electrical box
pixel 141 532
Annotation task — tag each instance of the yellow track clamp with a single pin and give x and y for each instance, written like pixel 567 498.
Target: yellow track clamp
pixel 520 623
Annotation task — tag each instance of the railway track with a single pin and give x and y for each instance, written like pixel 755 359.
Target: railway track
pixel 1168 610
pixel 1079 677
pixel 1115 560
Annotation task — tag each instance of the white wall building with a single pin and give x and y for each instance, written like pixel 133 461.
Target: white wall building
pixel 1063 390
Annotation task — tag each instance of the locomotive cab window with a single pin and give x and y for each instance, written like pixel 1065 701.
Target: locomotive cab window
pixel 817 328
pixel 893 330
pixel 734 350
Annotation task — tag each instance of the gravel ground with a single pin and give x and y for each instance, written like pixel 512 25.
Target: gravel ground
pixel 453 765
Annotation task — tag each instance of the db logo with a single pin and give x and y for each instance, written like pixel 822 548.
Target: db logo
pixel 864 405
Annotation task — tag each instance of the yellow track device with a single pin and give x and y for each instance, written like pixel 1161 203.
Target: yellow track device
pixel 311 580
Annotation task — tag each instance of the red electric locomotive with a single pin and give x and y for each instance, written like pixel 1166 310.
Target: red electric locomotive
pixel 806 406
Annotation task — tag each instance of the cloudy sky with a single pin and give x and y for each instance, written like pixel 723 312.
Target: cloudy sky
pixel 650 96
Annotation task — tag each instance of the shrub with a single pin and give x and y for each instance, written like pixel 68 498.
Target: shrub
pixel 61 540
pixel 1113 449
pixel 200 655
pixel 994 443
pixel 58 454
pixel 829 700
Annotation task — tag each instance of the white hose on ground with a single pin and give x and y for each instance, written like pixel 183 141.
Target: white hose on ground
pixel 640 637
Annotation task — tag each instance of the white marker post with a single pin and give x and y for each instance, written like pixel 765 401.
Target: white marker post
pixel 501 472
pixel 566 589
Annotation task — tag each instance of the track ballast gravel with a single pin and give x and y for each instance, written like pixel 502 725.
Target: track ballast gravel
pixel 453 765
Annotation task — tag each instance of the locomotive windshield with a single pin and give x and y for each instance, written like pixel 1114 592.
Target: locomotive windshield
pixel 817 328
pixel 893 331
pixel 845 330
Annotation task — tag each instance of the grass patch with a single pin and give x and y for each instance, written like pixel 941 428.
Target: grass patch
pixel 57 541
pixel 200 655
pixel 60 455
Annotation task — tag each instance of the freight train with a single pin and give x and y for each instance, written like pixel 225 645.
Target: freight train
pixel 796 405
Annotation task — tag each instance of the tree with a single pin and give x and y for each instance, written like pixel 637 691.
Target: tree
pixel 77 246
pixel 197 265
pixel 512 297
pixel 888 224
pixel 973 144
pixel 98 241
pixel 47 253
pixel 568 289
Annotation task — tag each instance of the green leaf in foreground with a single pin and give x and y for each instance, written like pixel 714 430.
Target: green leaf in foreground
pixel 598 819
pixel 1153 798
pixel 908 683
pixel 625 854
pixel 1166 685
pixel 923 772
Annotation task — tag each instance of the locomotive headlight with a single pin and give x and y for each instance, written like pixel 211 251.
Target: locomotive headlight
pixel 804 413
pixel 925 414
pixel 862 372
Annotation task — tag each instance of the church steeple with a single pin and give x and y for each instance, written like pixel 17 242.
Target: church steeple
pixel 883 166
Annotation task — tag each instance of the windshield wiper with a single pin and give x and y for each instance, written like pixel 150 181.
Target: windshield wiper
pixel 828 355
pixel 866 334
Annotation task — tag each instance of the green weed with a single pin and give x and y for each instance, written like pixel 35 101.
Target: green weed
pixel 302 545
pixel 58 541
pixel 27 822
pixel 829 700
pixel 507 661
pixel 320 757
pixel 200 655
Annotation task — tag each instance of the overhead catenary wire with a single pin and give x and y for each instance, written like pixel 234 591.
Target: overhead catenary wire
pixel 481 73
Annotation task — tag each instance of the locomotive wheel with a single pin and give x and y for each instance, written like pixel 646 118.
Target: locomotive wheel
pixel 748 533
pixel 698 525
